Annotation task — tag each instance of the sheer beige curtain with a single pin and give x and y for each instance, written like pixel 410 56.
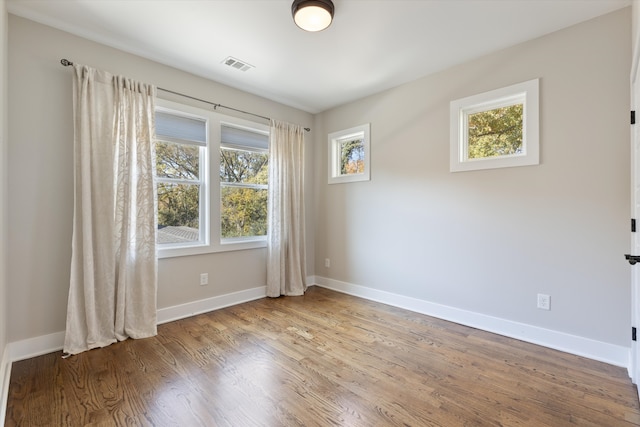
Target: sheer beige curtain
pixel 286 256
pixel 112 292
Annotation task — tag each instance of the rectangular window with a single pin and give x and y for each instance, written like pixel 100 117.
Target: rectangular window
pixel 201 212
pixel 244 163
pixel 181 152
pixel 349 155
pixel 495 129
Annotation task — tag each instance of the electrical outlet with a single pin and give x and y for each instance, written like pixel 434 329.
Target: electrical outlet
pixel 544 302
pixel 327 262
pixel 204 279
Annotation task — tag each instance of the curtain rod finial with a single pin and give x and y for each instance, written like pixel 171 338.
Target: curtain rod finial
pixel 66 62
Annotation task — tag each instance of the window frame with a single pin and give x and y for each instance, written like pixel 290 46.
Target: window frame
pixel 261 129
pixel 203 174
pixel 525 93
pixel 213 239
pixel 335 140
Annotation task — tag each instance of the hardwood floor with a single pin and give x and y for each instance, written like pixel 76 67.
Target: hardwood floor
pixel 325 359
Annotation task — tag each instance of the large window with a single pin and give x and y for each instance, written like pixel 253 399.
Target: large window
pixel 244 163
pixel 181 153
pixel 199 211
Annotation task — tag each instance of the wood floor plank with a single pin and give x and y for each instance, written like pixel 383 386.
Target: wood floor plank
pixel 324 359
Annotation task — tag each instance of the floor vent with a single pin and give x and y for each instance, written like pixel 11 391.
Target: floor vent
pixel 237 64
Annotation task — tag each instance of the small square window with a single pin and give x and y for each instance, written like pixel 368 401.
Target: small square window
pixel 495 129
pixel 349 155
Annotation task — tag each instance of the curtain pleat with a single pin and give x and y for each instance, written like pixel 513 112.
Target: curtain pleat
pixel 286 254
pixel 113 283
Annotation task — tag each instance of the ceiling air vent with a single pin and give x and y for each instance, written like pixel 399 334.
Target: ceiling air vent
pixel 237 64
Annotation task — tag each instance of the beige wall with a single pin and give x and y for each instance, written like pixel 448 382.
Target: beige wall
pixel 485 241
pixel 40 193
pixel 3 178
pixel 489 241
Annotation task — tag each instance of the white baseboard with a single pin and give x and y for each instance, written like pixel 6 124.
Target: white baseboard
pixel 586 347
pixel 597 350
pixel 189 309
pixel 5 376
pixel 37 346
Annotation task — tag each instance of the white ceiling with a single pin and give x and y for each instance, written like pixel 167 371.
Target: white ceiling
pixel 372 45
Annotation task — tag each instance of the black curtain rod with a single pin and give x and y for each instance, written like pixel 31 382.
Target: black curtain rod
pixel 67 63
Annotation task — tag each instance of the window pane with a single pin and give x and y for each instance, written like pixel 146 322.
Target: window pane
pixel 179 161
pixel 352 156
pixel 178 212
pixel 248 167
pixel 243 212
pixel 495 132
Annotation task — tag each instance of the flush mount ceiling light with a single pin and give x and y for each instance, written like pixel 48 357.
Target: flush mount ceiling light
pixel 312 15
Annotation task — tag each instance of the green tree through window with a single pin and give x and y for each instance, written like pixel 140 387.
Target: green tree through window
pixel 352 157
pixel 496 132
pixel 178 202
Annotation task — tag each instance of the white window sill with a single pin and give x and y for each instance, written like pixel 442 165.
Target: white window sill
pixel 225 246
